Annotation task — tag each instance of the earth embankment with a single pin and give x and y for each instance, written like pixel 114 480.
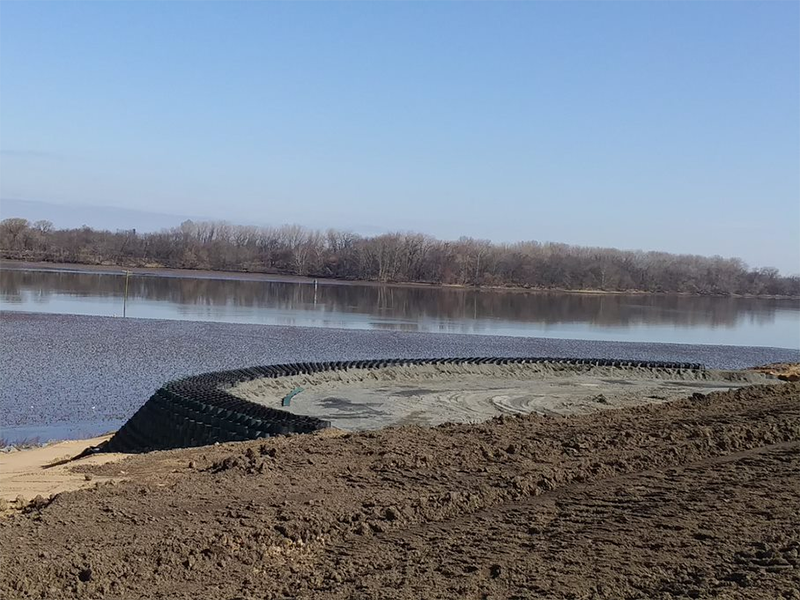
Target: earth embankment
pixel 691 498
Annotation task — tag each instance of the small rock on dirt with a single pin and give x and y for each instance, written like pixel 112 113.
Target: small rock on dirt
pixel 85 574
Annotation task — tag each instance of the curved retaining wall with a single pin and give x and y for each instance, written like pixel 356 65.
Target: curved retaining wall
pixel 198 411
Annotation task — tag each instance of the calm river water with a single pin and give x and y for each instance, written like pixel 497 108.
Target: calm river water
pixel 672 319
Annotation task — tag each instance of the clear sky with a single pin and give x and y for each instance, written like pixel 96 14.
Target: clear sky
pixel 652 125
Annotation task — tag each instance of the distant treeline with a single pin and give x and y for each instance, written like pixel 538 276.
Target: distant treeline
pixel 392 257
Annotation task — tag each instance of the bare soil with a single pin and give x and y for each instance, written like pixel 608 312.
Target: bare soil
pixel 44 471
pixel 692 498
pixel 784 371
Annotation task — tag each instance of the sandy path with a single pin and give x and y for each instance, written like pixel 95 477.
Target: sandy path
pixel 28 473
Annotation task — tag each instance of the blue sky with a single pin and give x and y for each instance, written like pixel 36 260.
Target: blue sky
pixel 652 125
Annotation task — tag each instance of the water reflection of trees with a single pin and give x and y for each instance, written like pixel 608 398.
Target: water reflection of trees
pixel 404 303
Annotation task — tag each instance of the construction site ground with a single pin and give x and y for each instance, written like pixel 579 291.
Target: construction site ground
pixel 691 498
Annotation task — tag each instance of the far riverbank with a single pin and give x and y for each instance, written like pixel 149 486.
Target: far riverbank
pixel 158 271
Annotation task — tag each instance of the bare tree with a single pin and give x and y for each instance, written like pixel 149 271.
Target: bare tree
pixel 12 232
pixel 393 257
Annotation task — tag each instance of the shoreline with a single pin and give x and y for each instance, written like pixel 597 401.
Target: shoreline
pixel 169 272
pixel 130 358
pixel 28 471
pixel 781 372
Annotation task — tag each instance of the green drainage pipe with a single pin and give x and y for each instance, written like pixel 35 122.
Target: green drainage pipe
pixel 288 398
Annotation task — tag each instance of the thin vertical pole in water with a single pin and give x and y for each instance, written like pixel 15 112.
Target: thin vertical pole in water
pixel 125 298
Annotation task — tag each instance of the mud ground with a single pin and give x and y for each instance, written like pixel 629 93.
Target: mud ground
pixel 783 371
pixel 363 399
pixel 693 498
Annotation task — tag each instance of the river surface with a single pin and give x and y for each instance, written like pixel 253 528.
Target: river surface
pixel 612 317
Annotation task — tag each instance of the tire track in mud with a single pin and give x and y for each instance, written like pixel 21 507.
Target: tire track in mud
pixel 655 523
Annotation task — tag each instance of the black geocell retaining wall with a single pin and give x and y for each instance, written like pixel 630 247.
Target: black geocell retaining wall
pixel 197 411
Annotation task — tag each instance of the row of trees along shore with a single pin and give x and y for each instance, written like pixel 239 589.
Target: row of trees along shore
pixel 391 257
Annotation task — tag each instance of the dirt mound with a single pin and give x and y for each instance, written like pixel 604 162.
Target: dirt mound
pixel 784 371
pixel 686 499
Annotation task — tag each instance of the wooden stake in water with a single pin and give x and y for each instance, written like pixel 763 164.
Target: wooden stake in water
pixel 125 298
